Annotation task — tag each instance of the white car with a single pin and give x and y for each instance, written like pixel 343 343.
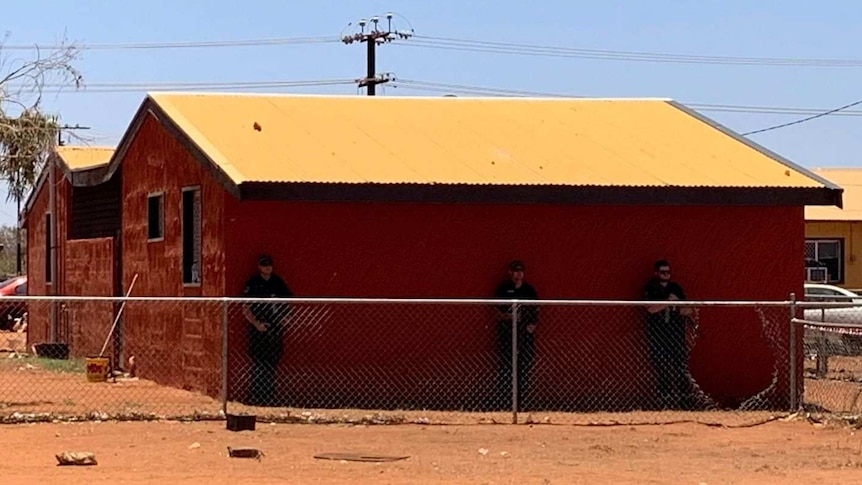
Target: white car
pixel 823 292
pixel 828 293
pixel 848 337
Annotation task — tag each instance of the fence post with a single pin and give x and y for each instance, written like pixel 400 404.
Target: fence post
pixel 822 357
pixel 224 351
pixel 514 363
pixel 793 389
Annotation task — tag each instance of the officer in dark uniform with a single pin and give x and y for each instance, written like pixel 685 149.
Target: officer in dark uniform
pixel 666 338
pixel 266 331
pixel 516 287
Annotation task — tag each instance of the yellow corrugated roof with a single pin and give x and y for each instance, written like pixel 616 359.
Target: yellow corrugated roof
pixel 446 140
pixel 849 179
pixel 84 157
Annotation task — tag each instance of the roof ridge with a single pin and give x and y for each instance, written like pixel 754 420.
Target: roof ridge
pixel 391 98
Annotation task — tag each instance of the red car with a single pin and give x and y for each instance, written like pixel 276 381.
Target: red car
pixel 10 311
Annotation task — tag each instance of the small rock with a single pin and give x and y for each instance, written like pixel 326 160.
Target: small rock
pixel 56 435
pixel 78 458
pixel 30 366
pixel 546 419
pixel 504 454
pixel 483 451
pixel 194 446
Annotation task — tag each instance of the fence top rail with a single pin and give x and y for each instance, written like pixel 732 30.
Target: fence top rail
pixel 829 304
pixel 816 324
pixel 404 301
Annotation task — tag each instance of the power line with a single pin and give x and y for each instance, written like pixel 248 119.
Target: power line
pixel 177 45
pixel 423 86
pixel 451 43
pixel 803 120
pixel 448 43
pixel 479 90
pixel 190 86
pixel 448 88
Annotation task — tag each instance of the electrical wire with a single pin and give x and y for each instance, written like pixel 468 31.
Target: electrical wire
pixel 803 120
pixel 446 88
pixel 177 45
pixel 450 88
pixel 187 86
pixel 449 43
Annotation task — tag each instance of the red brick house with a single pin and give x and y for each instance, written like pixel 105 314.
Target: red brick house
pixel 421 197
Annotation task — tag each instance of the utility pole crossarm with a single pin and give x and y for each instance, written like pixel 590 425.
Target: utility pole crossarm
pixel 61 128
pixel 372 38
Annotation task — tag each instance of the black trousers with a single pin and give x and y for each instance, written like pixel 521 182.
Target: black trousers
pixel 265 350
pixel 526 359
pixel 669 356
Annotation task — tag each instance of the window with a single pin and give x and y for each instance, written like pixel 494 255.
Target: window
pixel 827 254
pixel 156 217
pixel 191 235
pixel 48 255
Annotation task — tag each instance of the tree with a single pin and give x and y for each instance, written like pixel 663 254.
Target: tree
pixel 8 259
pixel 27 134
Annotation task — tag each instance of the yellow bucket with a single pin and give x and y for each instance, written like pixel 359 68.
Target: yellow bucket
pixel 97 368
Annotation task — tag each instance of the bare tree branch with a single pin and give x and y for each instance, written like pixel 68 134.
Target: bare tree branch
pixel 27 135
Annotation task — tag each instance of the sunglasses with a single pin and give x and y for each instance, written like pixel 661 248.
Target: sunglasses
pixel 664 271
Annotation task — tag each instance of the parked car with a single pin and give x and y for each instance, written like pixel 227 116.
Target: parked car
pixel 850 338
pixel 10 311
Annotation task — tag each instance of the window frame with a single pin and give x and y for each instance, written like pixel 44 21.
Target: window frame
pixel 841 259
pixel 161 196
pixel 49 253
pixel 198 189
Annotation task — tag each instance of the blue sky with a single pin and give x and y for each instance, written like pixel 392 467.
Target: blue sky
pixel 787 29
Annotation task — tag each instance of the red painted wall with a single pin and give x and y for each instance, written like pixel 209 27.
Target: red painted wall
pixel 89 272
pixel 38 326
pixel 39 312
pixel 173 343
pixel 587 357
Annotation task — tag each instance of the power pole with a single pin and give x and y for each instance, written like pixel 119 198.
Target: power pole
pixel 372 38
pixel 67 127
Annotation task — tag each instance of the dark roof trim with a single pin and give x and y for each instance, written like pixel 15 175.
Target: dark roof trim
pixel 150 108
pixel 88 177
pixel 540 194
pixel 760 148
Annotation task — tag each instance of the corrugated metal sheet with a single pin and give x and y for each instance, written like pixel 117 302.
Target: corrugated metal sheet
pixel 83 157
pixel 850 179
pixel 357 139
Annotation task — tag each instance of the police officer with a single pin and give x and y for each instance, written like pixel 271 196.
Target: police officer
pixel 515 287
pixel 666 331
pixel 266 330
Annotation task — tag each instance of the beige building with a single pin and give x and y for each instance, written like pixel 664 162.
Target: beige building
pixel 833 236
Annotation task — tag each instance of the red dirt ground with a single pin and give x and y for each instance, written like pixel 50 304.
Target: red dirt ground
pixel 159 452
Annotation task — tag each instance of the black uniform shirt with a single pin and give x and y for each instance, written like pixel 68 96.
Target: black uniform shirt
pixel 654 290
pixel 274 287
pixel 507 290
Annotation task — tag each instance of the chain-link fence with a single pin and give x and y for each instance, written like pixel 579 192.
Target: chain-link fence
pixel 415 360
pixel 833 353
